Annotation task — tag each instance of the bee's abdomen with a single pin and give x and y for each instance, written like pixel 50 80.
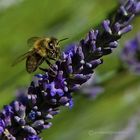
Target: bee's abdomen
pixel 32 63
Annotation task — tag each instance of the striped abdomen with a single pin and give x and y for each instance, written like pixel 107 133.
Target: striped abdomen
pixel 32 62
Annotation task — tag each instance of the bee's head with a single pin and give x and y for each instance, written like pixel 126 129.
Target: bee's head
pixel 52 46
pixel 50 43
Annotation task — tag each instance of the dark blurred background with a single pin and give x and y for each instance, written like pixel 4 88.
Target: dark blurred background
pixel 114 115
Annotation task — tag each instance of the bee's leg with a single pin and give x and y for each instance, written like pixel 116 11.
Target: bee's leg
pixel 53 72
pixel 48 62
pixel 53 59
pixel 43 69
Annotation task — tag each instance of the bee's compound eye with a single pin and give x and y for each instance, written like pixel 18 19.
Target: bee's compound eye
pixel 51 45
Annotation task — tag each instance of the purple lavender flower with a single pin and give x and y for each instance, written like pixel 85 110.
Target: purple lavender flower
pixel 137 7
pixel 33 137
pixel 130 55
pixel 30 113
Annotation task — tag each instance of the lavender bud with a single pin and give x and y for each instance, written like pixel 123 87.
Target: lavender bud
pixel 125 30
pixel 106 26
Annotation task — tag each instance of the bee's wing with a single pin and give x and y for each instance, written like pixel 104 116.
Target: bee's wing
pixel 22 57
pixel 32 40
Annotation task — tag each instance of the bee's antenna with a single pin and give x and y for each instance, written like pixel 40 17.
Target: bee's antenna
pixel 62 40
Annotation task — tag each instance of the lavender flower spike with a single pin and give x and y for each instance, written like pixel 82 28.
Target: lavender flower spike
pixel 130 55
pixel 29 114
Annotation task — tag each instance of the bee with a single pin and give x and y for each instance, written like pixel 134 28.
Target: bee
pixel 43 48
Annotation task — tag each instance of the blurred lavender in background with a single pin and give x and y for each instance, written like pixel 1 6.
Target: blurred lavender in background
pixel 91 88
pixel 129 132
pixel 130 55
